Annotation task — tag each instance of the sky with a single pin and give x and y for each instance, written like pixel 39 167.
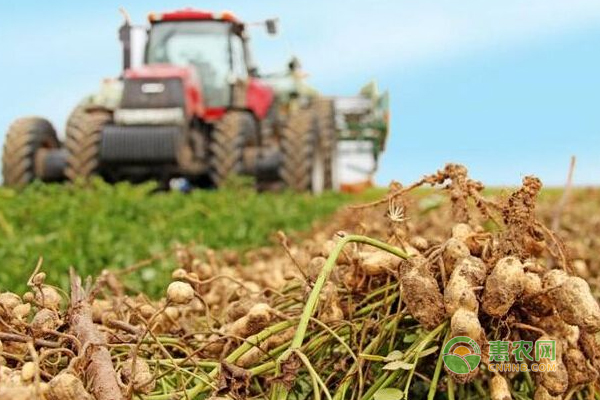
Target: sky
pixel 508 88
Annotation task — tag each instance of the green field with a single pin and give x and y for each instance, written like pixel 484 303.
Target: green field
pixel 105 226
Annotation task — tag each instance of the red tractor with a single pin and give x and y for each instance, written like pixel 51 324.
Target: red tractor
pixel 195 109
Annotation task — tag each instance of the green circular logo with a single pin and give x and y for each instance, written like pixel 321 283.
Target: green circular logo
pixel 461 355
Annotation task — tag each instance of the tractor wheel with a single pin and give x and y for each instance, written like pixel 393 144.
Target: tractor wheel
pixel 303 163
pixel 83 135
pixel 26 140
pixel 325 109
pixel 226 149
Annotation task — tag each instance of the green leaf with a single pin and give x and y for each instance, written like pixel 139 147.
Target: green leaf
pixel 410 338
pixel 394 365
pixel 388 394
pixel 372 357
pixel 394 355
pixel 429 351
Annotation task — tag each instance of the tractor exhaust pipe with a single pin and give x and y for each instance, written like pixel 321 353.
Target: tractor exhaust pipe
pixel 125 38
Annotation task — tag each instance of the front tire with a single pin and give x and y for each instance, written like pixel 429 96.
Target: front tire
pixel 229 138
pixel 302 167
pixel 83 136
pixel 26 141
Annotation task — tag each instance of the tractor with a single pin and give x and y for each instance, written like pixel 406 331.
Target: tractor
pixel 194 109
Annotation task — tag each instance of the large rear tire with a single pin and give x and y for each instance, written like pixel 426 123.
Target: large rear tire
pixel 26 141
pixel 83 136
pixel 229 137
pixel 325 109
pixel 302 167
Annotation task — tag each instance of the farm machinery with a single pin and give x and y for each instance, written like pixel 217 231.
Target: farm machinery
pixel 191 105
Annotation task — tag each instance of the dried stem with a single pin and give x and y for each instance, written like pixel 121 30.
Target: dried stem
pixel 100 374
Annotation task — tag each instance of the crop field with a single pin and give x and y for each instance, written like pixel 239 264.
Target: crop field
pixel 239 295
pixel 105 226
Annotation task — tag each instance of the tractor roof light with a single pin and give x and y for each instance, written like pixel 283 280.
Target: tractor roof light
pixel 188 14
pixel 227 16
pixel 153 17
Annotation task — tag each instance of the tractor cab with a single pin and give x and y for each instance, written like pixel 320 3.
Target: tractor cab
pixel 212 44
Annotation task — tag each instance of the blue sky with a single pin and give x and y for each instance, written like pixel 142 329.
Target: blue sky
pixel 508 88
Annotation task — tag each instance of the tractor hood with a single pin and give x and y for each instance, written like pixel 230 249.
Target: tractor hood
pixel 156 83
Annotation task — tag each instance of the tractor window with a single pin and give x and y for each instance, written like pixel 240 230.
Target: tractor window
pixel 201 44
pixel 238 58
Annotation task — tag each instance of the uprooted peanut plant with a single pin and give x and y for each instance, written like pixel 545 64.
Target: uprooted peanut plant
pixel 361 310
